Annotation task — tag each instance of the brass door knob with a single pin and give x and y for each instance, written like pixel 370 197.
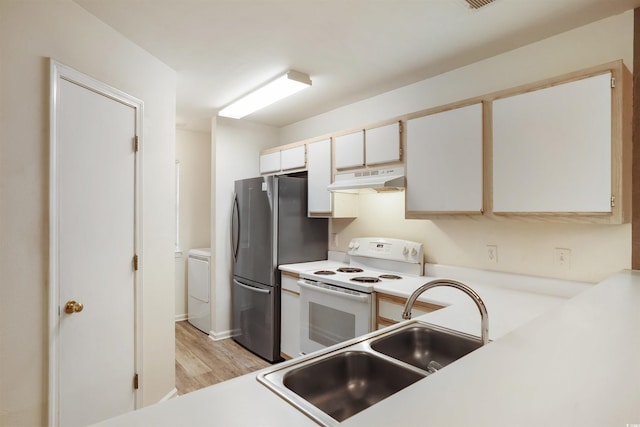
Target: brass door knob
pixel 73 307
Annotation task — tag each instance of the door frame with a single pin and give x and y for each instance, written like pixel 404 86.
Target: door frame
pixel 59 72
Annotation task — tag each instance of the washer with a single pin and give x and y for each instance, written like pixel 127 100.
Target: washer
pixel 199 285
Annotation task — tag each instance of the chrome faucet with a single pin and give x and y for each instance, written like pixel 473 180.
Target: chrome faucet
pixel 484 316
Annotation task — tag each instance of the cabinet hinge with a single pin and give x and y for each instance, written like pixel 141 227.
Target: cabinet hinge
pixel 136 382
pixel 135 262
pixel 613 201
pixel 613 82
pixel 136 144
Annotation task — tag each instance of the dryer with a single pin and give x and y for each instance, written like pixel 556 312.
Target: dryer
pixel 199 288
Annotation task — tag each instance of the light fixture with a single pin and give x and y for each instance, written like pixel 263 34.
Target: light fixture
pixel 283 86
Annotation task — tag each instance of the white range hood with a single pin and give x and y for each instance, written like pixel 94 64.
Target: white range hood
pixel 388 179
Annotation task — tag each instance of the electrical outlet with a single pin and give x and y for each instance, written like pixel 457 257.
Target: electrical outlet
pixel 334 237
pixel 562 258
pixel 492 253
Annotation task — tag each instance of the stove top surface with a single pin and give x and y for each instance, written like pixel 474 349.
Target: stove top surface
pixel 359 279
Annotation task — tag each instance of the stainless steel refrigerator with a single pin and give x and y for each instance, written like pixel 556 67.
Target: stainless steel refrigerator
pixel 270 227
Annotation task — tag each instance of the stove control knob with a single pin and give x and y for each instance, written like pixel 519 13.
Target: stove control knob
pixel 351 245
pixel 405 251
pixel 414 252
pixel 356 245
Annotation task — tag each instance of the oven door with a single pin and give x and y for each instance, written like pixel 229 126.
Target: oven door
pixel 330 315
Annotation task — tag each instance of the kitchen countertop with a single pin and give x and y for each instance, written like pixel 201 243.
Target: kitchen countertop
pixel 553 361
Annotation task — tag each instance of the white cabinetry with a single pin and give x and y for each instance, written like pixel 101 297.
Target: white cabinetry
pixel 552 149
pixel 369 147
pixel 445 162
pixel 382 144
pixel 290 316
pixel 293 158
pixel 270 162
pixel 319 176
pixel 321 202
pixel 562 148
pixel 283 160
pixel 349 150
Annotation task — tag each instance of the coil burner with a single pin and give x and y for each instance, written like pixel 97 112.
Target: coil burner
pixel 350 270
pixel 324 272
pixel 390 276
pixel 364 279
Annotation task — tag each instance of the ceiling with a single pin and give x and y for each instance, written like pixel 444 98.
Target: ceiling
pixel 352 49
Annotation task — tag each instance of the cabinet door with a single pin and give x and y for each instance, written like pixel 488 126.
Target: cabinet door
pixel 552 149
pixel 390 308
pixel 444 162
pixel 319 177
pixel 382 144
pixel 349 150
pixel 293 158
pixel 290 316
pixel 270 162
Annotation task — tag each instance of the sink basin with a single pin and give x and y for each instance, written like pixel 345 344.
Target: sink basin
pixel 426 347
pixel 346 383
pixel 340 381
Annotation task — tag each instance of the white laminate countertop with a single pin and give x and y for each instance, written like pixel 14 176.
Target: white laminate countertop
pixel 553 362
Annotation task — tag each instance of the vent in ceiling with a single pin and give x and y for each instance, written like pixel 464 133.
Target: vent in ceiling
pixel 477 4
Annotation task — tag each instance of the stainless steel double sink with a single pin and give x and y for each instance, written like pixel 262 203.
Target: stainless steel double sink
pixel 333 385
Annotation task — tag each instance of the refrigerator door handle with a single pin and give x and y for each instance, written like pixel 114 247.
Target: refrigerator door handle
pixel 235 240
pixel 251 288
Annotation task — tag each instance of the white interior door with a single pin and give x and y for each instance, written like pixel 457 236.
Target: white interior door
pixel 94 221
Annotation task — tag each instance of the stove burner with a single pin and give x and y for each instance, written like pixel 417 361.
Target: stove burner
pixel 389 276
pixel 366 279
pixel 324 272
pixel 350 270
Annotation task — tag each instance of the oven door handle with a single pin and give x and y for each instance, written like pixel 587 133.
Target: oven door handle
pixel 359 297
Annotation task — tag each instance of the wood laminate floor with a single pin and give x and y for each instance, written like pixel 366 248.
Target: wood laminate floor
pixel 201 362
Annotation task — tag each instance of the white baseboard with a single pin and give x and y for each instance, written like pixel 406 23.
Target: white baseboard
pixel 173 393
pixel 217 336
pixel 181 317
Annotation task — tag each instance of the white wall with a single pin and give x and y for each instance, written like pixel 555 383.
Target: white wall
pixel 30 33
pixel 597 251
pixel 193 151
pixel 236 145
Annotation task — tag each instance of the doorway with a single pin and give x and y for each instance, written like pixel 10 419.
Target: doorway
pixel 94 274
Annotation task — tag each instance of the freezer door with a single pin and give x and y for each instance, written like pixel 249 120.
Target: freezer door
pixel 252 243
pixel 300 238
pixel 254 321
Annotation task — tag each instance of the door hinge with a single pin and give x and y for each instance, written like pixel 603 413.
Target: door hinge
pixel 613 201
pixel 613 82
pixel 135 262
pixel 136 381
pixel 136 144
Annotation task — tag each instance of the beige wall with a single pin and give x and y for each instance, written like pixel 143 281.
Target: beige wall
pixel 30 33
pixel 528 248
pixel 237 145
pixel 193 151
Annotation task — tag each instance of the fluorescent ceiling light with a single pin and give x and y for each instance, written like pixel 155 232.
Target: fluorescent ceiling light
pixel 285 85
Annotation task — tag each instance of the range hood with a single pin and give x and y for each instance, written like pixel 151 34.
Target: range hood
pixel 389 179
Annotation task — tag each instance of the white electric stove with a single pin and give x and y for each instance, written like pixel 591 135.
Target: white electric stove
pixel 337 304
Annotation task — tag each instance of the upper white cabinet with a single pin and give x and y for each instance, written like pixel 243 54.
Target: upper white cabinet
pixel 285 159
pixel 320 201
pixel 270 162
pixel 319 177
pixel 349 150
pixel 445 162
pixel 382 144
pixel 293 158
pixel 552 149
